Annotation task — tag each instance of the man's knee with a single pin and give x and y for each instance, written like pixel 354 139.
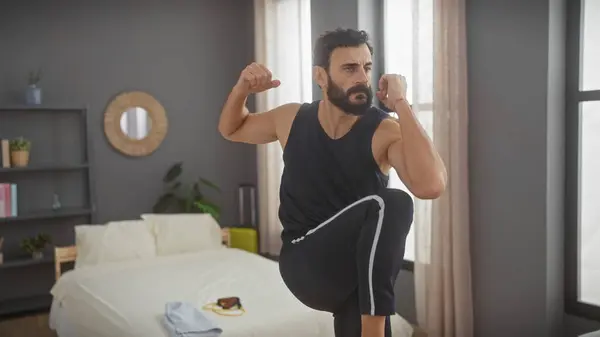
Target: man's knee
pixel 398 204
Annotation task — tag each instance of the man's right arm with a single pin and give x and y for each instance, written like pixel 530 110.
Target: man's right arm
pixel 237 123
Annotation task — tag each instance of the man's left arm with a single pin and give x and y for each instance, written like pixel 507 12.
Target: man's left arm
pixel 414 157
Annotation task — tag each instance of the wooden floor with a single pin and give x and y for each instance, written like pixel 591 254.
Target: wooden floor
pixel 29 326
pixel 37 326
pixel 417 332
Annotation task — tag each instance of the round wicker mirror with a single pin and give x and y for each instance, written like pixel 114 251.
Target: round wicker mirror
pixel 135 123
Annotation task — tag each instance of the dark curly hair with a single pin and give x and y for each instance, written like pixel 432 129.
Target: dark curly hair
pixel 338 38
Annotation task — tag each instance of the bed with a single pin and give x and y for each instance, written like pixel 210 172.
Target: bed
pixel 125 294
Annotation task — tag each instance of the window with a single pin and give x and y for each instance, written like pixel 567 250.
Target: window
pixel 292 61
pixel 408 44
pixel 283 44
pixel 582 265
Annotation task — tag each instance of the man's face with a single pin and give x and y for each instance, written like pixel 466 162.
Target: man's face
pixel 348 77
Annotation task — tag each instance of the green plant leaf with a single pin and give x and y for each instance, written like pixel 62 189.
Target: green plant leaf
pixel 196 192
pixel 35 243
pixel 175 186
pixel 189 201
pixel 173 172
pixel 208 203
pixel 181 197
pixel 20 144
pixel 165 203
pixel 205 208
pixel 209 184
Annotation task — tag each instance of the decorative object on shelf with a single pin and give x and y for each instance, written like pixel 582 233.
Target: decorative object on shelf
pixel 5 148
pixel 135 123
pixel 55 202
pixel 178 198
pixel 8 200
pixel 33 94
pixel 35 245
pixel 19 152
pixel 1 252
pixel 247 205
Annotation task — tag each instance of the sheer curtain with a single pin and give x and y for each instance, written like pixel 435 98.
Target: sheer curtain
pixel 448 302
pixel 409 52
pixel 425 41
pixel 282 44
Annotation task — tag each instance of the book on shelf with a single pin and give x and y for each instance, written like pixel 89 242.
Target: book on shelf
pixel 5 151
pixel 8 200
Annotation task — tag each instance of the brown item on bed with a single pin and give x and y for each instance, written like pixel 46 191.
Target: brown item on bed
pixel 229 302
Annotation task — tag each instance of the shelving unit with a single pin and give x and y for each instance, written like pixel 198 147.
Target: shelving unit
pixel 59 164
pixel 23 262
pixel 45 168
pixel 48 214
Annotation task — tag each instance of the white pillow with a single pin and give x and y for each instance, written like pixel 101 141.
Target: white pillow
pixel 115 241
pixel 184 233
pixel 88 239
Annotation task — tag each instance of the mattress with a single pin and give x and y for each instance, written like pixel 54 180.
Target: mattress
pixel 128 298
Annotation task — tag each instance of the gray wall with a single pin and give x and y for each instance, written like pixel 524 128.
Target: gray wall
pixel 188 54
pixel 516 104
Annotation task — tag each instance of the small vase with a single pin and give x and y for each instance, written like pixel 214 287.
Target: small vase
pixel 33 95
pixel 19 158
pixel 56 202
pixel 37 255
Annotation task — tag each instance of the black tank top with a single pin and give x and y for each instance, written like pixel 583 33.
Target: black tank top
pixel 322 175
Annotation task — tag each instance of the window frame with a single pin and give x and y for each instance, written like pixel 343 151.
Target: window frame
pixel 574 96
pixel 407 265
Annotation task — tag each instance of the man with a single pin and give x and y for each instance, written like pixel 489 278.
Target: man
pixel 344 231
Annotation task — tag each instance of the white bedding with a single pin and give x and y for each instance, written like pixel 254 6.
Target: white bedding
pixel 128 298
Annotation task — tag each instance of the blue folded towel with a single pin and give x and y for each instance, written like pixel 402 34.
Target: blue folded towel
pixel 184 320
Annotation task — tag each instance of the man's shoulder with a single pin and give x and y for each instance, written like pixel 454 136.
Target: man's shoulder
pixel 379 112
pixel 389 125
pixel 295 107
pixel 291 107
pixel 289 111
pixel 388 128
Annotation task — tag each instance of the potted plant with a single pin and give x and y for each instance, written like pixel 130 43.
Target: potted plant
pixel 33 95
pixel 35 245
pixel 19 151
pixel 178 198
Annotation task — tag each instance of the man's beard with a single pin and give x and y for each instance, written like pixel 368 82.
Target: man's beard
pixel 341 99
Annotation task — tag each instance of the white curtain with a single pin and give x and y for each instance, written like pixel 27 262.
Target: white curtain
pixel 425 40
pixel 408 39
pixel 282 43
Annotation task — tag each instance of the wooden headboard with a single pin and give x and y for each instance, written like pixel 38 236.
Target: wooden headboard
pixel 69 253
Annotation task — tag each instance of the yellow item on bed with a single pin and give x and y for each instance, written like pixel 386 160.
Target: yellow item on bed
pixel 244 238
